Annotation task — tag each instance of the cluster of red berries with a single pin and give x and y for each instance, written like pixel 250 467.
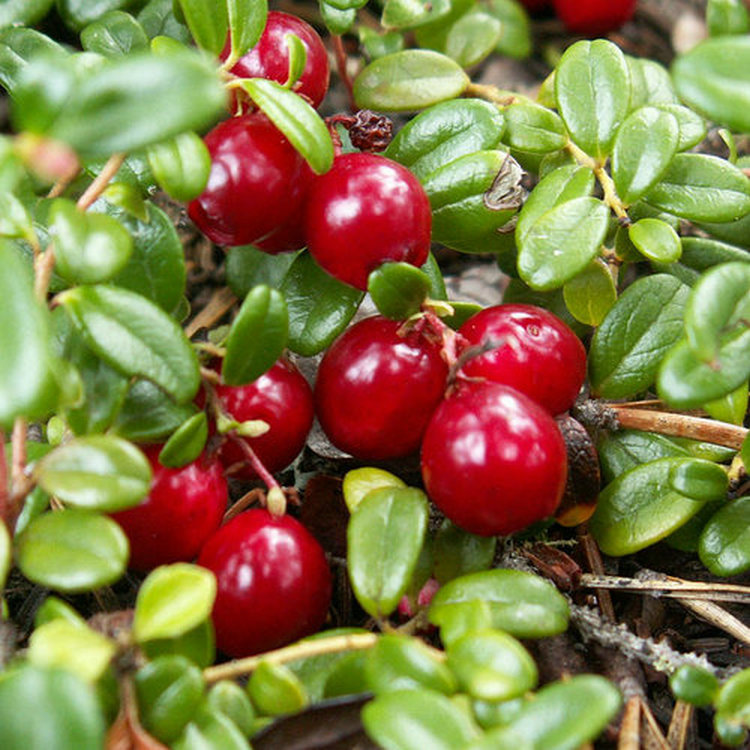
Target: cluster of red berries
pixel 493 459
pixel 587 17
pixel 364 211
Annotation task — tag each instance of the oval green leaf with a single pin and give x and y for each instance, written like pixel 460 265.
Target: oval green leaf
pixel 398 289
pixel 533 128
pixel 275 690
pixel 186 443
pixel 590 295
pixel 211 730
pixel 207 21
pixel 114 34
pixel 457 552
pixel 247 19
pixel 180 165
pixel 656 240
pixel 230 699
pixel 724 545
pixel 694 685
pixel 358 483
pixel 472 38
pixel 409 14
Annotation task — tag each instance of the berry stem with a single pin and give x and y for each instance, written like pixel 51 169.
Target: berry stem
pixel 100 182
pixel 255 462
pixel 491 94
pixel 341 61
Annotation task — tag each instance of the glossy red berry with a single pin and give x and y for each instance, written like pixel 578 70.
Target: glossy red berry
pixel 257 182
pixel 273 582
pixel 184 507
pixel 377 387
pixel 364 211
pixel 594 17
pixel 282 398
pixel 269 58
pixel 492 460
pixel 537 353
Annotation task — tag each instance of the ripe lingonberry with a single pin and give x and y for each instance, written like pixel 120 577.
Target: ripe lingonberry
pixel 364 211
pixel 594 17
pixel 273 582
pixel 492 460
pixel 184 507
pixel 269 58
pixel 536 353
pixel 257 183
pixel 377 387
pixel 282 398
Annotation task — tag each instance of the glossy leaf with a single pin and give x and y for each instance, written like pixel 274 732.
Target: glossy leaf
pixel 656 240
pixel 445 132
pixel 15 220
pixel 692 126
pixel 72 551
pixel 534 128
pixel 186 443
pixel 248 267
pixel 651 83
pixel 247 19
pixel 275 690
pixel 198 645
pixel 714 78
pixel 159 97
pixel 562 243
pixel 515 30
pixel 642 506
pixel 643 149
pixel 398 662
pixel 26 383
pixel 18 47
pixel 625 449
pixel 732 700
pixel 296 119
pixel 230 699
pixel 472 38
pixel 694 685
pixel 470 617
pixel 732 407
pixel 24 12
pixel 385 535
pixel 73 647
pixel 358 483
pixel 700 187
pixel 727 17
pixel 592 87
pixel 457 552
pixel 408 14
pixel 398 289
pixel 320 307
pixel 415 719
pixel 407 80
pixel 181 165
pixel 135 337
pixel 173 600
pixel 211 730
pixel 208 23
pixel 67 712
pixel 522 604
pixel 590 295
pixel 636 333
pixel 724 545
pixel 491 665
pixel 338 21
pixel 115 34
pixel 100 472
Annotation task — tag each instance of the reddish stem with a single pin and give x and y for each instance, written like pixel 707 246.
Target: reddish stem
pixel 258 466
pixel 341 60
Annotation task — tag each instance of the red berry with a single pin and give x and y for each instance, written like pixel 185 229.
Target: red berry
pixel 377 388
pixel 183 508
pixel 594 17
pixel 269 58
pixel 537 353
pixel 257 182
pixel 364 211
pixel 492 460
pixel 273 582
pixel 282 398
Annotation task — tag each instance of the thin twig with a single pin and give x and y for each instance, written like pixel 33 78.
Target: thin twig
pixel 679 726
pixel 100 182
pixel 718 617
pixel 219 304
pixel 594 560
pixel 657 737
pixel 629 737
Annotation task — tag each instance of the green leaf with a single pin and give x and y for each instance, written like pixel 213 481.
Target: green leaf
pixel 159 97
pixel 186 442
pixel 247 19
pixel 210 730
pixel 700 187
pixel 416 719
pixel 656 240
pixel 135 337
pixel 73 647
pixel 208 23
pixel 275 690
pixel 319 306
pixel 732 700
pixel 257 336
pixel 646 504
pixel 692 126
pixel 18 47
pixel 718 311
pixel 230 699
pixel 27 386
pixel 398 662
pixel 67 712
pixel 643 149
pixel 115 34
pixel 730 408
pixel 169 689
pixel 625 449
pixel 562 243
pixel 522 604
pixel 181 165
pixel 565 715
pixel 100 472
pixel 338 22
pixel 590 295
pixel 457 552
pixel 89 247
pixel 358 483
pixel 727 17
pixel 714 79
pixel 534 128
pixel 694 685
pixel 636 333
pixel 247 267
pixel 5 554
pixel 592 87
pixel 24 12
pixel 515 31
pixel 491 665
pixel 724 545
pixel 197 645
pixel 15 220
pixel 385 535
pixel 651 83
pixel 296 119
pixel 173 600
pixel 72 551
pixel 472 38
pixel 408 80
pixel 445 132
pixel 408 14
pixel 398 289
